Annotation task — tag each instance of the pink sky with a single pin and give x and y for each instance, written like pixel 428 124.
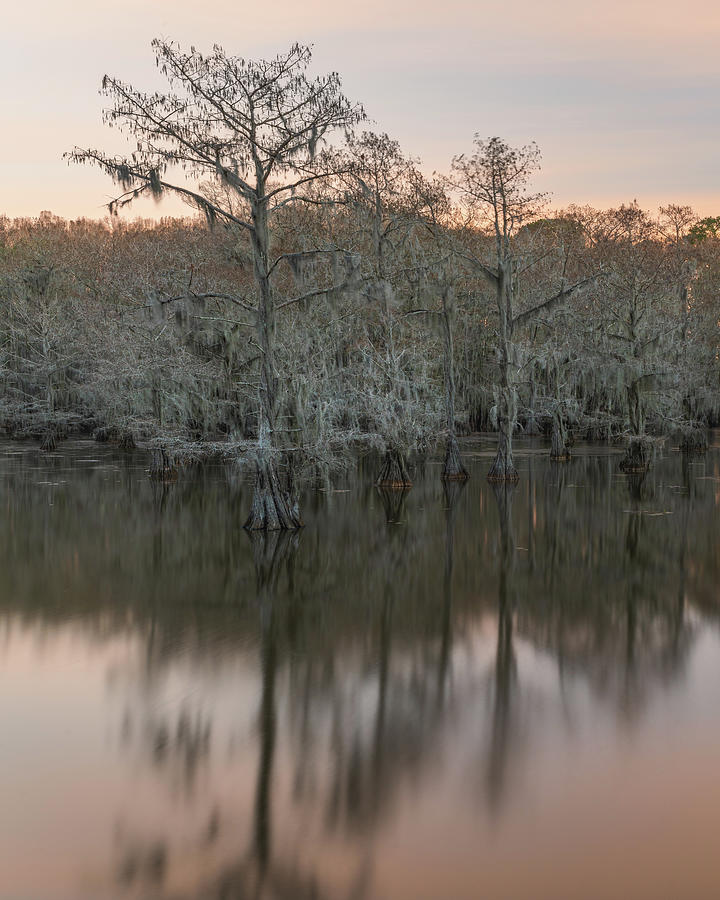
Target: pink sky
pixel 622 97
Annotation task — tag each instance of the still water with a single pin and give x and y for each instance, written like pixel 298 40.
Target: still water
pixel 473 693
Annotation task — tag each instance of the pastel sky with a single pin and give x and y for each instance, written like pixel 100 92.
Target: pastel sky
pixel 622 96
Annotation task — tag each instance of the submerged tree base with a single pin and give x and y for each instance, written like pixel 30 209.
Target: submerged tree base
pixel 494 476
pixel 49 441
pixel 503 469
pixel 394 473
pixel 162 466
pixel 273 508
pixel 638 456
pixel 560 452
pixel 127 441
pixel 453 469
pixel 560 443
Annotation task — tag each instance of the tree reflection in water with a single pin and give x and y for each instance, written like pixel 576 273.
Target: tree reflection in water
pixel 505 666
pixel 360 651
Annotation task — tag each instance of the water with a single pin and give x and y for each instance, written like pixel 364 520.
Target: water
pixel 491 695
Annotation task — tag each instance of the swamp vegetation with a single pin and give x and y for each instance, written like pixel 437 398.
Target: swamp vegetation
pixel 324 296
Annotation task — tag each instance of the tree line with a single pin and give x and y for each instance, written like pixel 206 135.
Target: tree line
pixel 331 295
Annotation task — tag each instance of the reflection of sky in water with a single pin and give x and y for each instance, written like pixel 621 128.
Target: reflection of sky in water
pixel 407 751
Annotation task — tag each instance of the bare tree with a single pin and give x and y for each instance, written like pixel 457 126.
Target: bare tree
pixel 256 128
pixel 377 190
pixel 493 183
pixel 439 273
pixel 641 319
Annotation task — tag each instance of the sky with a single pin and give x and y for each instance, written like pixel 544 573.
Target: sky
pixel 622 96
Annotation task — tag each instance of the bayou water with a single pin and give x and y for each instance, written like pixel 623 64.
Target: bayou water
pixel 458 693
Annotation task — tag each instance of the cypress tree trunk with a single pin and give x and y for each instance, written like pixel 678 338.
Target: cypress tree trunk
pixel 453 467
pixel 49 441
pixel 559 447
pixel 162 466
pixel 127 440
pixel 503 468
pixel 273 507
pixel 394 472
pixel 639 451
pixel 637 456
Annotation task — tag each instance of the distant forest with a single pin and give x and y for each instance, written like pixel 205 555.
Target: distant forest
pixel 324 296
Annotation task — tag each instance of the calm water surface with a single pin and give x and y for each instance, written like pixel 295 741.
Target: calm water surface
pixel 486 693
